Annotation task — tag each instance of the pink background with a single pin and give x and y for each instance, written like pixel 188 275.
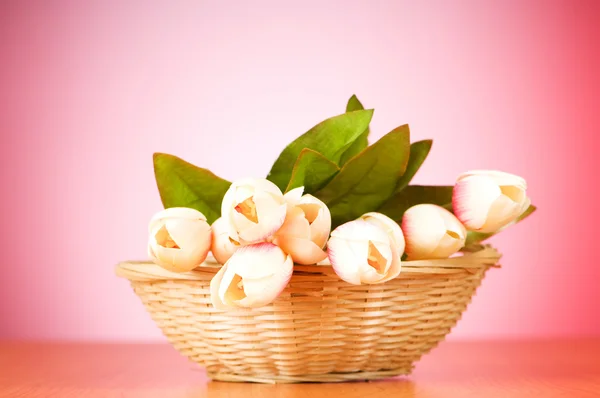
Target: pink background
pixel 89 91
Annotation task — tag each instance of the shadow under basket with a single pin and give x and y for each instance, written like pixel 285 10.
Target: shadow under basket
pixel 320 329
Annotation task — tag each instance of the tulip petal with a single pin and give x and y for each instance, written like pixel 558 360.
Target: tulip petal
pixel 174 213
pixel 303 251
pixel 472 198
pixel 177 260
pixel 293 196
pixel 190 235
pixel 295 224
pixel 319 217
pixel 501 178
pixel 502 212
pixel 395 267
pixel 525 206
pixel 450 243
pixel 257 261
pixel 360 230
pixel 215 283
pixel 453 224
pixel 391 227
pixel 345 258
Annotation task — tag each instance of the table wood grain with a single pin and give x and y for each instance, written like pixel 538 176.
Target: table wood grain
pixel 491 369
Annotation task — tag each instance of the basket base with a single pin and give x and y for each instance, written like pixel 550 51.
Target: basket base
pixel 316 378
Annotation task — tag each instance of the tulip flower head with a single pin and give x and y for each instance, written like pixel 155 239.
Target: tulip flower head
pixel 180 239
pixel 253 277
pixel 305 230
pixel 253 209
pixel 431 232
pixel 390 226
pixel 361 252
pixel 486 201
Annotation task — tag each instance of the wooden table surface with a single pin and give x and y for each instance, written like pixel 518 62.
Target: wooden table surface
pixel 455 369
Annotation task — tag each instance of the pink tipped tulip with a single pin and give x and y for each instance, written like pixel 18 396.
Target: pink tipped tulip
pixel 390 226
pixel 253 277
pixel 486 201
pixel 223 246
pixel 363 253
pixel 253 209
pixel 305 230
pixel 432 232
pixel 180 239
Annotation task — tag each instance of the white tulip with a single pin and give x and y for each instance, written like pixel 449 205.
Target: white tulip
pixel 363 253
pixel 305 230
pixel 180 239
pixel 253 277
pixel 486 200
pixel 431 232
pixel 390 226
pixel 253 209
pixel 223 246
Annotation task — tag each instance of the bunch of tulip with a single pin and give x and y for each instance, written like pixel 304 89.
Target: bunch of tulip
pixel 262 233
pixel 328 178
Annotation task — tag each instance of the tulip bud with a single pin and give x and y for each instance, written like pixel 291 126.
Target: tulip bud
pixel 180 239
pixel 253 277
pixel 431 232
pixel 486 201
pixel 223 246
pixel 254 209
pixel 363 253
pixel 390 226
pixel 305 230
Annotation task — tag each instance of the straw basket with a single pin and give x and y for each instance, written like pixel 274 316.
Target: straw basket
pixel 320 329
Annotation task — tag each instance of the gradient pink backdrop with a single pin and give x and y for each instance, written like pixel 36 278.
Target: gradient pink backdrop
pixel 89 91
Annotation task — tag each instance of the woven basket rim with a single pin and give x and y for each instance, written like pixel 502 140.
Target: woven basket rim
pixel 471 259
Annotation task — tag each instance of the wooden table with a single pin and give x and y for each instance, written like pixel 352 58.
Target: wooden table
pixel 543 369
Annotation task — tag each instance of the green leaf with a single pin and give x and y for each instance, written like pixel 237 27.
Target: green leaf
pixel 476 237
pixel 418 152
pixel 331 138
pixel 181 184
pixel 368 179
pixel 413 195
pixel 312 170
pixel 362 141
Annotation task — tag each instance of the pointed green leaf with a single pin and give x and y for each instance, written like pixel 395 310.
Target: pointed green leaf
pixel 331 138
pixel 362 141
pixel 368 179
pixel 181 184
pixel 354 104
pixel 418 152
pixel 312 170
pixel 476 237
pixel 413 195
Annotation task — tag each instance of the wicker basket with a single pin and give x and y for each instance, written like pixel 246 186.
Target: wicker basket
pixel 320 329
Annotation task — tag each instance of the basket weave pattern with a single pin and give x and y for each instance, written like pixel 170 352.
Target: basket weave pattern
pixel 320 328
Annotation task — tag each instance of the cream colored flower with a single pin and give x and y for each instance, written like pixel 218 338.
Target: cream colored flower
pixel 253 209
pixel 305 230
pixel 180 239
pixel 487 200
pixel 432 232
pixel 253 277
pixel 361 252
